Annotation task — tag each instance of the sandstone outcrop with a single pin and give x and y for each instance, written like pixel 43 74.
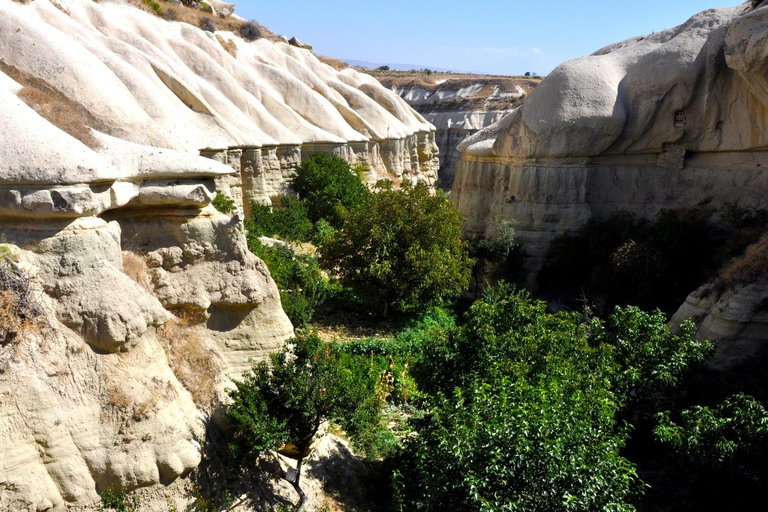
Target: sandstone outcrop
pixel 672 119
pixel 142 291
pixel 458 106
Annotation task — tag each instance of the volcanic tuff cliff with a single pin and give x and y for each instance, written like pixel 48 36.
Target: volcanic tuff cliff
pixel 673 119
pixel 458 106
pixel 126 297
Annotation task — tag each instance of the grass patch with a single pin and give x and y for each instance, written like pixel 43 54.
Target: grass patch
pixel 192 361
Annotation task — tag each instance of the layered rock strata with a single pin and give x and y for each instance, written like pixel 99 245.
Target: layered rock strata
pixel 673 119
pixel 458 106
pixel 139 291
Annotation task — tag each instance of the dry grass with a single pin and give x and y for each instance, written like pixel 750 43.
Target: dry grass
pixel 194 16
pixel 192 361
pixel 136 268
pixel 746 269
pixel 336 64
pixel 230 46
pixel 20 309
pixel 60 112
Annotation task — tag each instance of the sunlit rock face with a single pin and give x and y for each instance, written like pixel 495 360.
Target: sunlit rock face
pixel 116 128
pixel 672 119
pixel 458 106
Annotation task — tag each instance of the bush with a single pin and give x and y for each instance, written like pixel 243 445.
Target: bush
pixel 730 439
pixel 523 417
pixel 19 308
pixel 301 284
pixel 119 500
pixel 402 250
pixel 223 204
pixel 328 187
pixel 207 24
pixel 154 6
pixel 251 31
pixel 287 401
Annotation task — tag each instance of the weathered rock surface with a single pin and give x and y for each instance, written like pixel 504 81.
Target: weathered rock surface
pixel 458 106
pixel 672 119
pixel 107 209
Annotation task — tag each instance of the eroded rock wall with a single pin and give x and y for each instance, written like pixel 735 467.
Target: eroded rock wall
pixel 458 106
pixel 146 299
pixel 673 119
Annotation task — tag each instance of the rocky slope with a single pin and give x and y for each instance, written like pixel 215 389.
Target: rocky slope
pixel 458 106
pixel 125 298
pixel 672 119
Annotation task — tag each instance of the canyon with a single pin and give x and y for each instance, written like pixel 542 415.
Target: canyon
pixel 139 300
pixel 458 106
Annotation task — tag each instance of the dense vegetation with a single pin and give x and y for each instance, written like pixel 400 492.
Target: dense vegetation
pixel 622 260
pixel 499 405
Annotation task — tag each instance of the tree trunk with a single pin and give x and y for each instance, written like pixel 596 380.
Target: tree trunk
pixel 297 487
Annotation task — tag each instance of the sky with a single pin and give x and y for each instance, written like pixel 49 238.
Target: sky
pixel 481 36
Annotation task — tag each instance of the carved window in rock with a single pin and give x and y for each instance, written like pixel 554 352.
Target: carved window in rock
pixel 680 119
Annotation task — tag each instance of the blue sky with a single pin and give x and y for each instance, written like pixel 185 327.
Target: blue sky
pixel 482 36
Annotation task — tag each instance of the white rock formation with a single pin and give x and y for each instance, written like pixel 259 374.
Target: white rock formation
pixel 672 119
pixel 119 236
pixel 458 106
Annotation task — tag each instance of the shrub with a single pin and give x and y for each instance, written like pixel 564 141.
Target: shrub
pixel 223 204
pixel 522 416
pixel 206 8
pixel 401 250
pixel 19 308
pixel 301 284
pixel 170 14
pixel 287 401
pixel 119 500
pixel 207 24
pixel 731 438
pixel 251 31
pixel 328 187
pixel 154 6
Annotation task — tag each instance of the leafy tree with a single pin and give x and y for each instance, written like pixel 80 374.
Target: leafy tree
pixel 287 401
pixel 653 362
pixel 298 277
pixel 499 256
pixel 732 437
pixel 328 187
pixel 402 250
pixel 523 417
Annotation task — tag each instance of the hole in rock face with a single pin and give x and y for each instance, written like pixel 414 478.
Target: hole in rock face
pixel 59 203
pixel 680 119
pixel 719 126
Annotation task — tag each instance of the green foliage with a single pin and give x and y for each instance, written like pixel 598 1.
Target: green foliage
pixel 119 500
pixel 223 204
pixel 328 187
pixel 499 256
pixel 290 220
pixel 154 6
pixel 523 417
pixel 298 277
pixel 403 250
pixel 653 362
pixel 731 438
pixel 382 68
pixel 205 7
pixel 287 401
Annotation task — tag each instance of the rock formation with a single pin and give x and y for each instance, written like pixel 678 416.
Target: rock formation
pixel 140 298
pixel 672 119
pixel 458 106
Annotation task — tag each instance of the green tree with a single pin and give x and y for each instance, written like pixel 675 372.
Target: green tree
pixel 402 250
pixel 287 401
pixel 298 277
pixel 328 187
pixel 523 419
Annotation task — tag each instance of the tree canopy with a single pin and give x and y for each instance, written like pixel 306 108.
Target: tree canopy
pixel 402 250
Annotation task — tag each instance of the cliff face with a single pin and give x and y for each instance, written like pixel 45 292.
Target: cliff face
pixel 676 118
pixel 458 106
pixel 125 298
